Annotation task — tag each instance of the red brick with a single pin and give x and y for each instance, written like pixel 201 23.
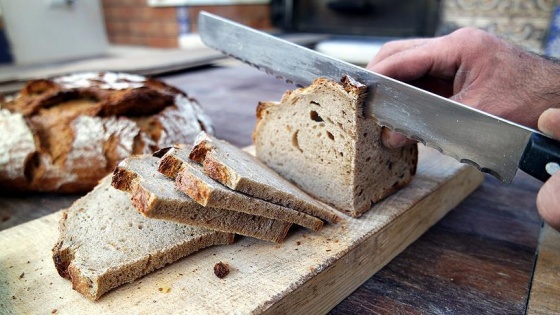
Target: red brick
pixel 141 28
pixel 118 14
pixel 253 15
pixel 133 22
pixel 164 14
pixel 170 29
pixel 162 42
pixel 117 27
pixel 130 40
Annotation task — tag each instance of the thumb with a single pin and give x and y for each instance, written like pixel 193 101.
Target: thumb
pixel 548 198
pixel 549 122
pixel 548 201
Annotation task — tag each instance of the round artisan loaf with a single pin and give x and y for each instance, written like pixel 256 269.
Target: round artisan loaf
pixel 64 134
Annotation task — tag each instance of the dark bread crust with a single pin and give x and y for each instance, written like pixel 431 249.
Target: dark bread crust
pixel 318 138
pixel 120 115
pixel 228 165
pixel 193 180
pixel 156 197
pixel 89 224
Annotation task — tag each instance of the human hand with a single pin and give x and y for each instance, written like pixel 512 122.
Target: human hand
pixel 548 198
pixel 482 71
pixel 474 68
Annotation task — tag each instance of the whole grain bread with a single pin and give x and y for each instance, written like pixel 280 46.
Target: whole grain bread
pixel 82 125
pixel 318 138
pixel 155 196
pixel 191 179
pixel 104 242
pixel 243 172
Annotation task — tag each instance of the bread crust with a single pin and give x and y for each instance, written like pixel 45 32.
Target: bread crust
pixel 100 247
pixel 192 180
pixel 75 129
pixel 242 172
pixel 155 196
pixel 318 138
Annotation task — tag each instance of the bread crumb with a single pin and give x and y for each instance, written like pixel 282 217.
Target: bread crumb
pixel 165 289
pixel 221 270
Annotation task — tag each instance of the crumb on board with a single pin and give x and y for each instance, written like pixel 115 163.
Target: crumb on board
pixel 165 289
pixel 221 270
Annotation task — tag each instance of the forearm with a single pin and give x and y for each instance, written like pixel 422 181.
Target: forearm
pixel 537 87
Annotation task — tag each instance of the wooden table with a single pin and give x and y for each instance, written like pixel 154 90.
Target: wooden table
pixel 479 259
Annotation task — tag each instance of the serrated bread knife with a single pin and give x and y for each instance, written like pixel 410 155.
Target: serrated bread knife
pixel 492 144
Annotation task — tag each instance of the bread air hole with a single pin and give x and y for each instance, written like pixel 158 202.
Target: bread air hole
pixel 315 103
pixel 315 117
pixel 330 135
pixel 295 142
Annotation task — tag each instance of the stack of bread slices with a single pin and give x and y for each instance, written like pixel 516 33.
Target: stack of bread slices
pixel 216 185
pixel 315 153
pixel 202 195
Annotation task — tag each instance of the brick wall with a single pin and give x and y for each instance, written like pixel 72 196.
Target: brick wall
pixel 133 22
pixel 256 16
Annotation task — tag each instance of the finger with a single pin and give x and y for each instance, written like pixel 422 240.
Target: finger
pixel 549 122
pixel 394 47
pixel 548 201
pixel 394 140
pixel 435 59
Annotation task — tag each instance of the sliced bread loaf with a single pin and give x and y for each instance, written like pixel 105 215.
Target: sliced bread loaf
pixel 192 180
pixel 155 196
pixel 243 172
pixel 318 138
pixel 104 242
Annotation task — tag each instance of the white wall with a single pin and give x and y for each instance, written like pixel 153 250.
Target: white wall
pixel 40 32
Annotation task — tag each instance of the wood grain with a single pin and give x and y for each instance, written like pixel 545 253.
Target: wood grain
pixel 477 259
pixel 544 297
pixel 310 271
pixel 18 209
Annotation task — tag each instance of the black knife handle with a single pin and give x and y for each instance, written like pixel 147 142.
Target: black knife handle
pixel 540 151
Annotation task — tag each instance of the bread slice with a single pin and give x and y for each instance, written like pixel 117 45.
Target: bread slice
pixel 243 172
pixel 155 196
pixel 191 180
pixel 104 242
pixel 318 138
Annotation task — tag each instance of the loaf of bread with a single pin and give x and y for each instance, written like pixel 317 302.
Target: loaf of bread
pixel 155 196
pixel 318 138
pixel 191 180
pixel 243 172
pixel 65 134
pixel 104 242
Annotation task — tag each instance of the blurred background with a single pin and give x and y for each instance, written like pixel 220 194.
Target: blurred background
pixel 51 37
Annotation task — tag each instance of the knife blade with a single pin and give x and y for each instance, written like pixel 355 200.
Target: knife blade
pixel 492 144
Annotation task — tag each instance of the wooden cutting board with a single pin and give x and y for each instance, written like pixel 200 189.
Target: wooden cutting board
pixel 310 272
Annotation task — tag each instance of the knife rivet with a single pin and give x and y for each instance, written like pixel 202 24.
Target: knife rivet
pixel 552 167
